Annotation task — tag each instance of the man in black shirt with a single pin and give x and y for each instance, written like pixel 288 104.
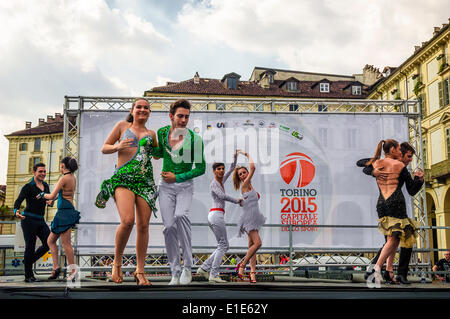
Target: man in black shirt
pixel 405 253
pixel 32 219
pixel 443 265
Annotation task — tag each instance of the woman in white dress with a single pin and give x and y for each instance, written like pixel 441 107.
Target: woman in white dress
pixel 251 219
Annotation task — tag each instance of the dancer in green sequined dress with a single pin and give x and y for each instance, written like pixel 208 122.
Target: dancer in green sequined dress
pixel 132 185
pixel 135 175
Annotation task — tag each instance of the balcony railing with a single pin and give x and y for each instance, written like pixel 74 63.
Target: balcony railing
pixel 440 170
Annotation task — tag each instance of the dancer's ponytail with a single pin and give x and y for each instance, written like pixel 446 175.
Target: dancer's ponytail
pixel 130 117
pixel 377 154
pixel 385 146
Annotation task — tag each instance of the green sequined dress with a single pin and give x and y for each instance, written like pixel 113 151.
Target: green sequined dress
pixel 135 175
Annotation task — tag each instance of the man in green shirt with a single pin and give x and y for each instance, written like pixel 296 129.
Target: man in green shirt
pixel 182 153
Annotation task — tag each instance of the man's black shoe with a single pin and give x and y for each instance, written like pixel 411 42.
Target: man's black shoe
pixel 403 280
pixel 30 279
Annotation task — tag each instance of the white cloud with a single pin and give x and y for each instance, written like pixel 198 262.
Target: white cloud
pixel 326 36
pixel 50 49
pixel 53 48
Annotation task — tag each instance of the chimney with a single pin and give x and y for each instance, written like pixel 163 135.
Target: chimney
pixel 416 48
pixel 370 74
pixel 50 119
pixel 41 122
pixel 196 78
pixel 27 125
pixel 436 30
pixel 58 117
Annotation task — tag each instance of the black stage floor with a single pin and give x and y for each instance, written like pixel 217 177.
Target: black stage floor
pixel 13 287
pixel 265 299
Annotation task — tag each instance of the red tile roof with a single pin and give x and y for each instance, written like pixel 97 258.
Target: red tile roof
pixel 41 129
pixel 51 126
pixel 246 88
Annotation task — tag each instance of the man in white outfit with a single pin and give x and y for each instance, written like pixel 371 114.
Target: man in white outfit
pixel 216 221
pixel 181 149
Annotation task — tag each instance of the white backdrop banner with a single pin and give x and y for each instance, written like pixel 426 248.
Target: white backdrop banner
pixel 305 174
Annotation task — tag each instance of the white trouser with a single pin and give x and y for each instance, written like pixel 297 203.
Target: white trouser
pixel 217 224
pixel 175 202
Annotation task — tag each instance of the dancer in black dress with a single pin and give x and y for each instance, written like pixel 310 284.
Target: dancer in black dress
pixel 405 253
pixel 393 221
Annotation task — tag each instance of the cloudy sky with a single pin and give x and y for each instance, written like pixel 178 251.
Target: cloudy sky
pixel 53 48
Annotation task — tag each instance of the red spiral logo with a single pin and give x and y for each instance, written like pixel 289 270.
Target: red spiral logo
pixel 298 169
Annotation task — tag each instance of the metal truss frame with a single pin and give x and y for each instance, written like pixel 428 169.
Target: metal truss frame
pixel 75 105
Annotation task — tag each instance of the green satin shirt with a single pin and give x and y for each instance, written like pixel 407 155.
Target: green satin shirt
pixel 181 161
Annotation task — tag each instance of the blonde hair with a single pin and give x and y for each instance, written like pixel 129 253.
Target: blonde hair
pixel 236 180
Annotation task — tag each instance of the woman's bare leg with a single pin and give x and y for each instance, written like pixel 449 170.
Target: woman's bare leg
pixel 254 244
pixel 51 242
pixel 388 251
pixel 143 214
pixel 125 205
pixel 67 246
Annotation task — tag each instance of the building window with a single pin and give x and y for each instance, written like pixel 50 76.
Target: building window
pixel 410 86
pixel 356 90
pixel 22 164
pixel 444 92
pixel 324 87
pixel 424 155
pixel 37 144
pixel 232 83
pixel 447 140
pixel 270 78
pixel 23 147
pixel 423 104
pixel 291 86
pixel 293 107
pixel 432 70
pixel 323 108
pixel 33 161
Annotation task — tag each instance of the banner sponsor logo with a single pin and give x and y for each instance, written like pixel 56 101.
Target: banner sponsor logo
pixel 297 135
pixel 298 205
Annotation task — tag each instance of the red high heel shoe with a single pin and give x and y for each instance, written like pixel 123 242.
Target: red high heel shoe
pixel 241 276
pixel 250 277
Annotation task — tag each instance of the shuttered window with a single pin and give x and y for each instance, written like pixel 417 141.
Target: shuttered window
pixel 37 144
pixel 447 140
